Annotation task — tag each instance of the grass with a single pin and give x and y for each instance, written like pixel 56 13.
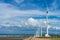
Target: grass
pixel 55 38
pixel 51 38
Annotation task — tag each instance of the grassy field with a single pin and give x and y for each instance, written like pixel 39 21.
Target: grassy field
pixel 43 38
pixel 29 38
pixel 57 38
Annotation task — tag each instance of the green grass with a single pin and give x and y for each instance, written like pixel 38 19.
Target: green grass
pixel 55 38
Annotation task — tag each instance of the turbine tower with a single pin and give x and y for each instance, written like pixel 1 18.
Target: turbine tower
pixel 39 30
pixel 47 34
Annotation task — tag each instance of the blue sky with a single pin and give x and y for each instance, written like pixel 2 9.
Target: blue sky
pixel 37 6
pixel 16 10
pixel 33 4
pixel 31 7
pixel 28 12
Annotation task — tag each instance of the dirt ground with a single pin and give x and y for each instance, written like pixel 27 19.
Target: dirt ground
pixel 29 38
pixel 41 39
pixel 11 38
pixel 34 38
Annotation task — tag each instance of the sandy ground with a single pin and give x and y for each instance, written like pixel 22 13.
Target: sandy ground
pixel 34 38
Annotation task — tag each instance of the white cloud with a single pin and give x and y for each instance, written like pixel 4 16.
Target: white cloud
pixel 8 11
pixel 32 21
pixel 56 28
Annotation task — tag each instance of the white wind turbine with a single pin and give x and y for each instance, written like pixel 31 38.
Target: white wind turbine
pixel 47 26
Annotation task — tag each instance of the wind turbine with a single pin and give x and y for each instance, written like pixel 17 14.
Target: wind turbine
pixel 39 30
pixel 47 34
pixel 47 26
